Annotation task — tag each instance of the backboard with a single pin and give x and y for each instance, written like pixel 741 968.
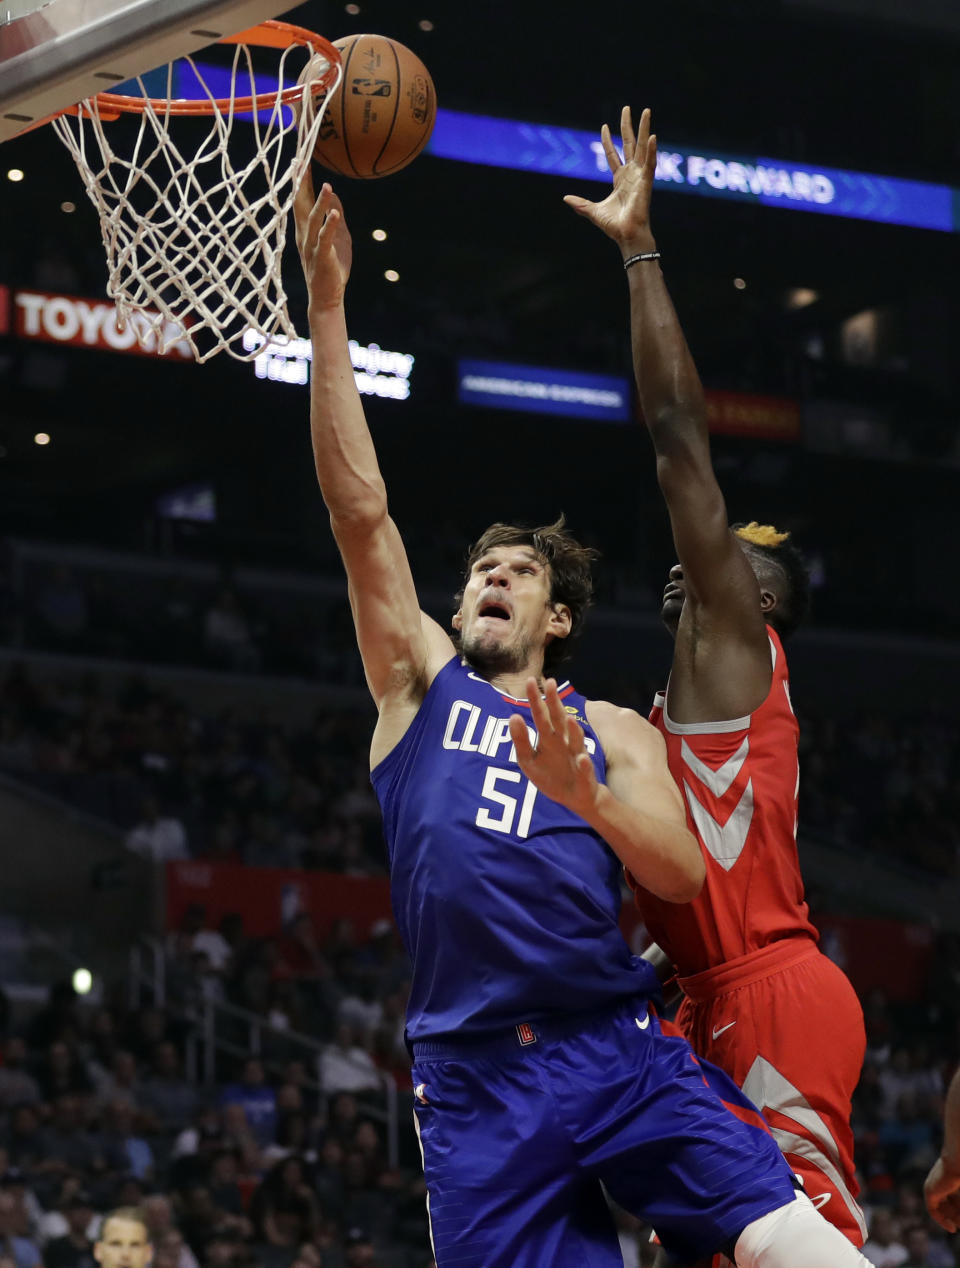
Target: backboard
pixel 57 53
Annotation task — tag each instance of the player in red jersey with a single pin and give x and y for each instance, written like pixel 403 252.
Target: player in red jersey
pixel 761 1000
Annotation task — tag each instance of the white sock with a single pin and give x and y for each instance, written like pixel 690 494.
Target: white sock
pixel 796 1236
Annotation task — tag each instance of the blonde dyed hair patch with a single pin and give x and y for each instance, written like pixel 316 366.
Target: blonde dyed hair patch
pixel 761 534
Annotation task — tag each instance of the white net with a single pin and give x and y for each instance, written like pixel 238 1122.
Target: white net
pixel 194 241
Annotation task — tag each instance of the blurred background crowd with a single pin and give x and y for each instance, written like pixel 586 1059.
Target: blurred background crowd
pixel 201 987
pixel 284 1158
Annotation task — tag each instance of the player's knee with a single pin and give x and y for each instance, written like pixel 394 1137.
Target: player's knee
pixel 795 1236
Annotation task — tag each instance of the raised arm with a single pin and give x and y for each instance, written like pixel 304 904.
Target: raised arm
pixel 401 648
pixel 718 579
pixel 638 811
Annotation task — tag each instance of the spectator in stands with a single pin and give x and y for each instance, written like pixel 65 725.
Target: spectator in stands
pixel 30 1212
pixel 164 1234
pixel 25 1143
pixel 21 1250
pixel 150 1027
pixel 363 1202
pixel 295 1076
pixel 223 1182
pixel 166 1094
pixel 121 1082
pixel 49 1224
pixel 300 952
pixel 194 1148
pixel 62 1073
pixel 227 1249
pixel 328 1176
pixel 360 1008
pixel 162 838
pixel 293 1138
pixel 240 1137
pixel 921 1253
pixel 284 1207
pixel 206 1126
pixel 17 1085
pixel 200 1219
pixel 366 1141
pixel 74 1249
pixel 882 1248
pixel 286 1010
pixel 388 1045
pixel 257 1099
pixel 234 935
pixel 358 1249
pixel 171 1251
pixel 193 935
pixel 346 1066
pixel 66 1142
pixel 343 1117
pixel 908 1136
pixel 124 1149
pixel 100 1044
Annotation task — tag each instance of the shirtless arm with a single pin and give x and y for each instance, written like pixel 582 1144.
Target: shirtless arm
pixel 941 1189
pixel 638 811
pixel 402 649
pixel 722 647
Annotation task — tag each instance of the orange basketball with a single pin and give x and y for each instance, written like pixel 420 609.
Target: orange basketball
pixel 382 114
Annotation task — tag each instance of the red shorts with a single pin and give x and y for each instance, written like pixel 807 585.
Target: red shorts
pixel 785 1024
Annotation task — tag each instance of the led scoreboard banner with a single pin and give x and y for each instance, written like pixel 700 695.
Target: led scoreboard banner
pixel 544 390
pixel 579 155
pixel 572 152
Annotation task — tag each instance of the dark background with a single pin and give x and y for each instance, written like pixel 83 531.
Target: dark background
pixel 492 263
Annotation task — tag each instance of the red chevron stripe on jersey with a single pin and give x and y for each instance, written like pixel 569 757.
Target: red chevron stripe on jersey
pixel 739 779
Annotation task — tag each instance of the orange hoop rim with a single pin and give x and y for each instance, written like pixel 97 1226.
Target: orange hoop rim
pixel 267 34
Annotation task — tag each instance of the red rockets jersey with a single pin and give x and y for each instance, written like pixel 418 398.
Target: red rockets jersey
pixel 739 780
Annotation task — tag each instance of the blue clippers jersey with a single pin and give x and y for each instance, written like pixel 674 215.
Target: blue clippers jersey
pixel 506 901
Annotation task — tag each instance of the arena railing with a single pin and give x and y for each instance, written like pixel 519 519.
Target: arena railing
pixel 206 1040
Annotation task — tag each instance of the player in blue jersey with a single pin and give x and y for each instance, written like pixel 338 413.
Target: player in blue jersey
pixel 510 805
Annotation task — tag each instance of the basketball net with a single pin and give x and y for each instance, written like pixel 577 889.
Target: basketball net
pixel 194 241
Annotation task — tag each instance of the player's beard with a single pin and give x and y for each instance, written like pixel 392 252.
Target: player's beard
pixel 489 656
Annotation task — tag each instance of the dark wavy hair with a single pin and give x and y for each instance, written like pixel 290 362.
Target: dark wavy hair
pixel 570 567
pixel 778 563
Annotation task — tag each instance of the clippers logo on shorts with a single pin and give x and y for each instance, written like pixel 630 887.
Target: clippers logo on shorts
pixel 525 1034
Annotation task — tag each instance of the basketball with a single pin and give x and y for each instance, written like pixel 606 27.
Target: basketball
pixel 382 114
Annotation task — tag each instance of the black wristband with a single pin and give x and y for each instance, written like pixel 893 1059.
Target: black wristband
pixel 643 255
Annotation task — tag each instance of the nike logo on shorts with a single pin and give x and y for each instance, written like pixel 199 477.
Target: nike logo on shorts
pixel 718 1030
pixel 642 1025
pixel 821 1200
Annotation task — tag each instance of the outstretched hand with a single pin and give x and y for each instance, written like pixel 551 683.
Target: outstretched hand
pixel 624 215
pixel 323 240
pixel 560 765
pixel 941 1192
